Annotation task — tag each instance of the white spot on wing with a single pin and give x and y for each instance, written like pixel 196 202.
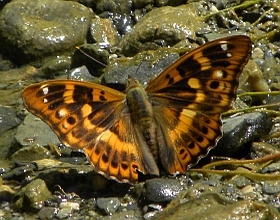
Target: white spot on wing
pixel 45 90
pixel 62 113
pixel 224 47
pixel 218 74
pixel 45 100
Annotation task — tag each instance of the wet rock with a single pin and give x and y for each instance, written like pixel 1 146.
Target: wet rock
pixel 123 216
pixel 255 78
pixel 31 153
pixel 271 187
pixel 141 3
pixel 161 190
pixel 271 168
pixel 93 57
pixel 20 172
pixel 143 67
pixel 257 53
pixel 261 149
pixel 160 3
pixel 241 181
pixel 32 196
pixel 8 122
pixel 240 130
pixel 66 209
pixel 270 67
pixel 8 119
pixel 65 213
pixel 6 143
pixel 2 214
pixel 118 11
pixel 81 74
pixel 5 166
pixel 55 66
pixel 6 193
pixel 38 29
pixel 47 213
pixel 252 80
pixel 108 205
pixel 103 32
pixel 35 132
pixel 175 25
pixel 11 84
pixel 211 206
pixel 79 179
pixel 72 205
pixel 8 213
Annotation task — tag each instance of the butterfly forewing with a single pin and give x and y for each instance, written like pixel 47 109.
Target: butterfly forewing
pixel 189 96
pixel 218 60
pixel 71 105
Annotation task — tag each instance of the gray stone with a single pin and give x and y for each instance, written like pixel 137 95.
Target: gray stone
pixel 271 187
pixel 143 67
pixel 8 119
pixel 56 65
pixel 108 205
pixel 92 56
pixel 161 190
pixel 32 196
pixel 47 213
pixel 80 73
pixel 175 24
pixel 32 29
pixel 6 193
pixel 211 206
pixel 102 32
pixel 35 132
pixel 240 130
pixel 118 11
pixel 31 153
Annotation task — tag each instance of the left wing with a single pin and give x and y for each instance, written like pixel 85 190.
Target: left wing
pixel 96 119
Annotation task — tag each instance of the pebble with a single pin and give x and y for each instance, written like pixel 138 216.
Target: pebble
pixel 240 130
pixel 32 196
pixel 271 187
pixel 108 205
pixel 161 190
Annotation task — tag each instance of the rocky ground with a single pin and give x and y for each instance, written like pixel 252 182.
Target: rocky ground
pixel 42 179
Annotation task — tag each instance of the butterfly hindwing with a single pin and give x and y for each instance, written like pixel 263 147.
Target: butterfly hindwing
pixel 187 139
pixel 189 97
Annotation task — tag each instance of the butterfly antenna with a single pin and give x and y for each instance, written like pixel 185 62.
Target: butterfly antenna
pixel 154 36
pixel 92 58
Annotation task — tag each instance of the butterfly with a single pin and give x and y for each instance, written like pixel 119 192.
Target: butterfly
pixel 171 124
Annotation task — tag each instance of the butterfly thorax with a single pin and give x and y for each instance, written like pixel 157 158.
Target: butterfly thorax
pixel 142 115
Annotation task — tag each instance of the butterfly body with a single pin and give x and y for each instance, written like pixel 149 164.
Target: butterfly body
pixel 142 114
pixel 174 121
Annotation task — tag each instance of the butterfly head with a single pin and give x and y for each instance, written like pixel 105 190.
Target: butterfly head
pixel 132 83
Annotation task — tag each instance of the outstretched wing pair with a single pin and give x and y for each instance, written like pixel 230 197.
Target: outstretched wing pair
pixel 187 98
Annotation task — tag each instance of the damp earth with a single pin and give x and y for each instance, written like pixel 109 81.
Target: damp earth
pixel 42 179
